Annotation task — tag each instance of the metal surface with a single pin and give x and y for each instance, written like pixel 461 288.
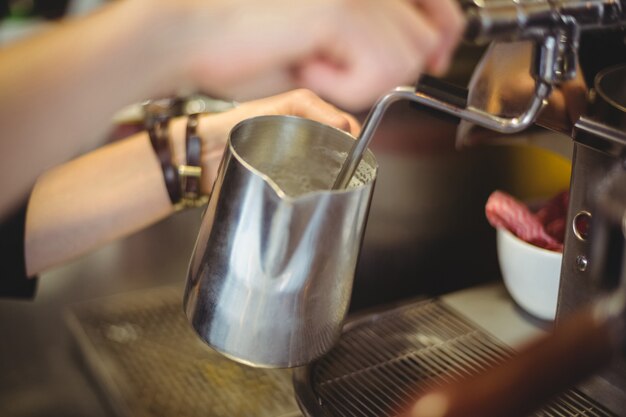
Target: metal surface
pixel 590 168
pixel 609 105
pixel 385 360
pixel 530 19
pixel 553 26
pixel 271 275
pixel 491 88
pixel 609 234
pixel 149 363
pixel 598 153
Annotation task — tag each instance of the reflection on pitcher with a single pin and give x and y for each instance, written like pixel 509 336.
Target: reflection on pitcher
pixel 270 279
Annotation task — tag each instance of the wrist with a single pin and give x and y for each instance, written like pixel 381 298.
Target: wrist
pixel 179 152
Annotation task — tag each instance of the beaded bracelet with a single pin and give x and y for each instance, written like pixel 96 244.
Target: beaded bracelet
pixel 182 182
pixel 191 172
pixel 157 124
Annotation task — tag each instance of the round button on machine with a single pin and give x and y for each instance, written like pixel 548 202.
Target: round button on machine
pixel 581 224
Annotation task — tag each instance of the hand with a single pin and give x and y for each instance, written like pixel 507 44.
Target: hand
pixel 214 128
pixel 348 51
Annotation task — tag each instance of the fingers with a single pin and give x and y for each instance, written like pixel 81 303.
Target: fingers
pixel 302 103
pixel 375 49
pixel 448 18
pixel 348 51
pixel 305 103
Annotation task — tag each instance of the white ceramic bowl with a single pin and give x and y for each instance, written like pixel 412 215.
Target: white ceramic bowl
pixel 531 274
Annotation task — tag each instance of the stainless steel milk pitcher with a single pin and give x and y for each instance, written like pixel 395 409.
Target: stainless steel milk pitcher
pixel 270 278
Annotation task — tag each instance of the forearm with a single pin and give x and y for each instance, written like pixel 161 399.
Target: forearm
pixel 92 200
pixel 60 89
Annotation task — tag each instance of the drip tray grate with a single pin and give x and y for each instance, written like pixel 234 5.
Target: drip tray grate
pixel 149 363
pixel 384 360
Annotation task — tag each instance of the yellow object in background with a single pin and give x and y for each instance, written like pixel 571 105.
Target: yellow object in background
pixel 537 173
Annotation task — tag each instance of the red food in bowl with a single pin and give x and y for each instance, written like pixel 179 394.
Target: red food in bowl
pixel 544 228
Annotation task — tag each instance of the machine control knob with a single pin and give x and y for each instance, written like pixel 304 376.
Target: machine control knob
pixel 581 263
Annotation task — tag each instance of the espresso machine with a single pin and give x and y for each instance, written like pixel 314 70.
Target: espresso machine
pixel 591 256
pixel 581 30
pixel 569 41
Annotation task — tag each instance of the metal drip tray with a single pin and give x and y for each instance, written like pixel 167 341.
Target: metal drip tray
pixel 147 360
pixel 384 361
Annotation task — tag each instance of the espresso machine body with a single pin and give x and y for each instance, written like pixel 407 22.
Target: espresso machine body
pixel 591 258
pixel 573 38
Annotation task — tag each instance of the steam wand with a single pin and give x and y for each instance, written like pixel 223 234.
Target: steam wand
pixel 472 114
